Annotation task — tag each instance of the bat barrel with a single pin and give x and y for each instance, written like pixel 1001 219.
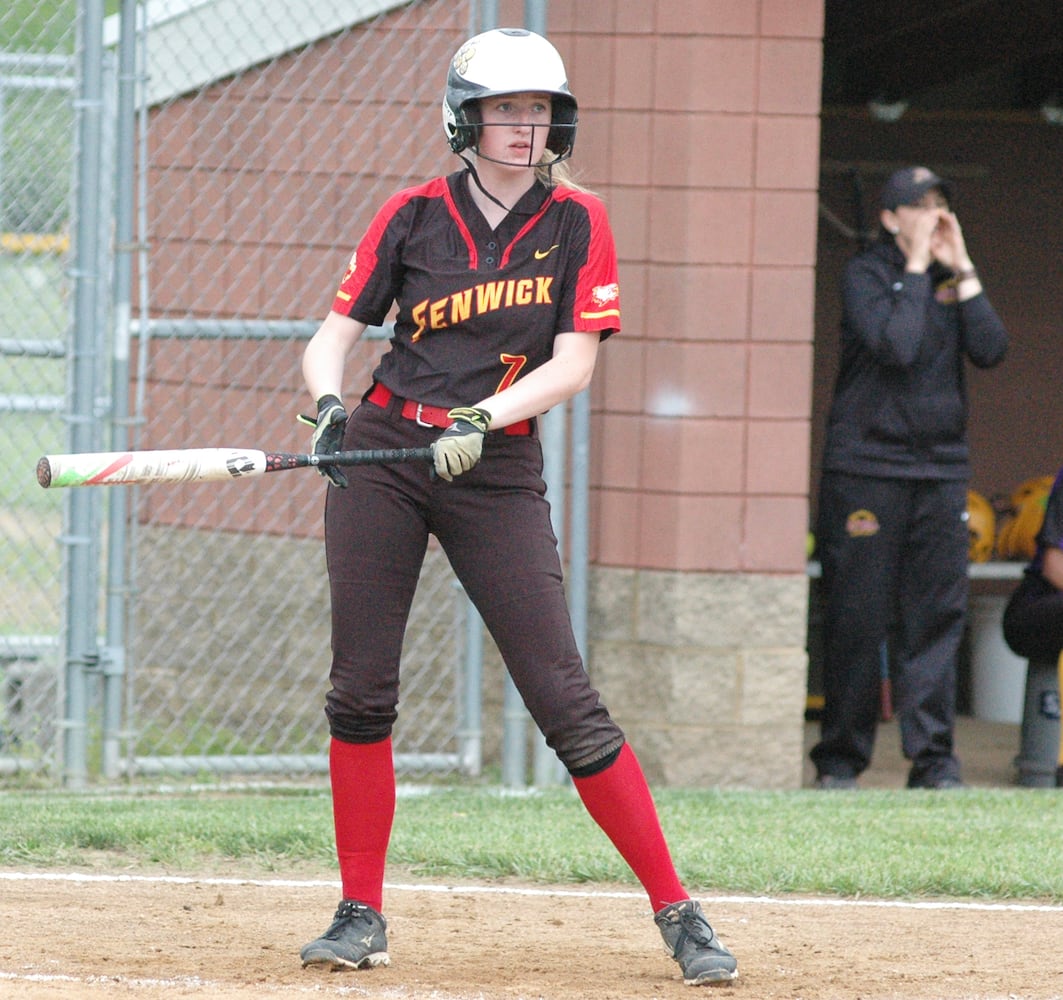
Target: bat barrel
pixel 194 465
pixel 110 468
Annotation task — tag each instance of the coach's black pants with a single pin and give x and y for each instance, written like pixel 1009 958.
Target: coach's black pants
pixel 893 552
pixel 494 525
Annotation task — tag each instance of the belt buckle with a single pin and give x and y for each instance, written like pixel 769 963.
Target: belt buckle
pixel 417 417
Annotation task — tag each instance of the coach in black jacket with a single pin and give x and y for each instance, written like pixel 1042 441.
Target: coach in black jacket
pixel 891 533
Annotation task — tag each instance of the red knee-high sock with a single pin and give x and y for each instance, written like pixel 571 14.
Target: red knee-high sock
pixel 620 802
pixel 363 809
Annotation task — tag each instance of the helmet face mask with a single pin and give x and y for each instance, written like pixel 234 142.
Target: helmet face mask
pixel 507 61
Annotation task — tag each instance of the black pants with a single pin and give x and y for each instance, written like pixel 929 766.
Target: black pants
pixel 1033 619
pixel 494 525
pixel 894 553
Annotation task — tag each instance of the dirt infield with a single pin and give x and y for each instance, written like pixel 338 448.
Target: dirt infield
pixel 68 937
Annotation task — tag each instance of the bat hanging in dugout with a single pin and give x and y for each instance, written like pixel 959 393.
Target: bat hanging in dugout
pixel 195 465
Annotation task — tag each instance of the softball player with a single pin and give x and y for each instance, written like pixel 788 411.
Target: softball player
pixel 505 278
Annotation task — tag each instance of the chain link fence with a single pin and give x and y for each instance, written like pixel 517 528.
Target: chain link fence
pixel 259 147
pixel 37 95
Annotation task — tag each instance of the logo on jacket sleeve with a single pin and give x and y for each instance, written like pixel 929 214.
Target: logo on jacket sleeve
pixel 861 523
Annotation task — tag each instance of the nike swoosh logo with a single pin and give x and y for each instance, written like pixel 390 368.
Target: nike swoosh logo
pixel 540 254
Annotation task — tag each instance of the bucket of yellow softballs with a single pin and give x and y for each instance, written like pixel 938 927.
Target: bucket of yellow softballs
pixel 997 674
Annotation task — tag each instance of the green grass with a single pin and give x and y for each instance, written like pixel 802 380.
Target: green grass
pixel 34 296
pixel 31 308
pixel 38 124
pixel 30 526
pixel 992 844
pixel 33 26
pixel 39 26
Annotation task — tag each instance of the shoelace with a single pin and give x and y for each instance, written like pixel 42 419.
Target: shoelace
pixel 348 911
pixel 693 928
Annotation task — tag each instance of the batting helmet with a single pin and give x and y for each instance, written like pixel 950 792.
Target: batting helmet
pixel 1018 535
pixel 1039 486
pixel 981 527
pixel 507 61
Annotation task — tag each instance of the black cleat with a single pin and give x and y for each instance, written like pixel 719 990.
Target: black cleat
pixel 694 945
pixel 355 939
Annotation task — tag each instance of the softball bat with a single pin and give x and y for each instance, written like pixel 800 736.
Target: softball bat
pixel 194 465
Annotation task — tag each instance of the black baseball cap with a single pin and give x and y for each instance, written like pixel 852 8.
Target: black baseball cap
pixel 907 186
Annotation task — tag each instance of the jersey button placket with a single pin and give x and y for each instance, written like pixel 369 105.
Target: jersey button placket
pixel 489 259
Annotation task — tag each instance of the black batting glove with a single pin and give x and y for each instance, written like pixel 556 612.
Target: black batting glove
pixel 458 448
pixel 327 438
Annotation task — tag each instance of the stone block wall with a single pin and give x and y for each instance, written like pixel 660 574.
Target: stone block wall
pixel 703 672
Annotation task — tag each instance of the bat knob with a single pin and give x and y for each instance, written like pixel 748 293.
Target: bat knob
pixel 44 472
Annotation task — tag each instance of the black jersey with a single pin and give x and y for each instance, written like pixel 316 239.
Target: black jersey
pixel 478 308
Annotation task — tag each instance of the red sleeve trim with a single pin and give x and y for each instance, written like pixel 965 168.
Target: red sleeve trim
pixel 597 306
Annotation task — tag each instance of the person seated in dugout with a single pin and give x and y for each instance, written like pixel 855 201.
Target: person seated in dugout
pixel 1033 618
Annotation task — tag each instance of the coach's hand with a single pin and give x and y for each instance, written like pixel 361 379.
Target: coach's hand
pixel 328 435
pixel 458 448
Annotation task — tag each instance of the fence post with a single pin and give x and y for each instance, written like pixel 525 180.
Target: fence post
pixel 579 527
pixel 115 654
pixel 81 533
pixel 470 738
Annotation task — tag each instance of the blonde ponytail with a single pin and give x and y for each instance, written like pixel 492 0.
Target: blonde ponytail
pixel 552 172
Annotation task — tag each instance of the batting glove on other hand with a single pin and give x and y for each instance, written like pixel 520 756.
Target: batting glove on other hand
pixel 458 448
pixel 327 439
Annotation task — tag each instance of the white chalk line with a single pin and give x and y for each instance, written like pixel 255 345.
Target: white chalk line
pixel 198 983
pixel 505 890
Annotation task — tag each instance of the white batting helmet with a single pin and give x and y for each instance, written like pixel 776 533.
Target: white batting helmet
pixel 507 61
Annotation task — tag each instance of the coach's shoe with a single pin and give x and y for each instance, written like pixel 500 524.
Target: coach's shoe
pixel 694 945
pixel 836 782
pixel 355 939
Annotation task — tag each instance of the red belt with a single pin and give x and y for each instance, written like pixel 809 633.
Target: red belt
pixel 433 416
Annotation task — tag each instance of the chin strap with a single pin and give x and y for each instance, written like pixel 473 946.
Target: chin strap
pixel 487 194
pixel 479 183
